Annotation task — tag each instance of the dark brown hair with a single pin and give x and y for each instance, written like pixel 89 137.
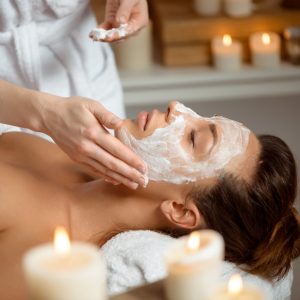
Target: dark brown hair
pixel 257 220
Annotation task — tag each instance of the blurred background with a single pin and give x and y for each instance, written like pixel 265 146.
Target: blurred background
pixel 217 57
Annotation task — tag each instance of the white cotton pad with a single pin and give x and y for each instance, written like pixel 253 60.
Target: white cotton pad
pixel 101 34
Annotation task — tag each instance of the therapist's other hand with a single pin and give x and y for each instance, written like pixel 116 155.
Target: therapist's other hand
pixel 131 12
pixel 77 126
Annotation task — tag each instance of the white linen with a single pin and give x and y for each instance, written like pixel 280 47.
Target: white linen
pixel 136 257
pixel 44 45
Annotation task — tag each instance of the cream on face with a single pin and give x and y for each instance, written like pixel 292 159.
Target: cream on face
pixel 168 161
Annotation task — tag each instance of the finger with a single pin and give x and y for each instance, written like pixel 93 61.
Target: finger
pixel 105 117
pixel 109 174
pixel 90 168
pixel 137 22
pixel 101 175
pixel 116 165
pixel 94 172
pixel 124 11
pixel 120 151
pixel 112 181
pixel 106 25
pixel 139 18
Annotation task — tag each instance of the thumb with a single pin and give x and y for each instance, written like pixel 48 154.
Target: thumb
pixel 124 11
pixel 107 118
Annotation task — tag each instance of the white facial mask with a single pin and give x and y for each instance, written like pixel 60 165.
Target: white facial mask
pixel 168 161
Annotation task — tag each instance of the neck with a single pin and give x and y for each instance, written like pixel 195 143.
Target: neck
pixel 101 210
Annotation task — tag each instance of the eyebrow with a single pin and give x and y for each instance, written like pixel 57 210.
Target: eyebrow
pixel 213 130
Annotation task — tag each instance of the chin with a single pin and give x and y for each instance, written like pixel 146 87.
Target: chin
pixel 131 126
pixel 128 125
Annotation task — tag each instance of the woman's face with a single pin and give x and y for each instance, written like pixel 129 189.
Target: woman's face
pixel 180 146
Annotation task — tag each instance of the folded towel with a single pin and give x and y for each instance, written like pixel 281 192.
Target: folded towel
pixel 135 258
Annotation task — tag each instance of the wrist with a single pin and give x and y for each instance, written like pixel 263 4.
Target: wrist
pixel 43 106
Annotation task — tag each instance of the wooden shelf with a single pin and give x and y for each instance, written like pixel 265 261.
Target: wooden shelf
pixel 184 38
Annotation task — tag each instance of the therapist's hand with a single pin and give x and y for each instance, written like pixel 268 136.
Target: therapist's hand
pixel 77 126
pixel 131 12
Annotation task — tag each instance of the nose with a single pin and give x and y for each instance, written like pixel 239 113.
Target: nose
pixel 171 110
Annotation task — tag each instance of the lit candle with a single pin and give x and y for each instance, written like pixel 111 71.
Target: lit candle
pixel 236 290
pixel 238 8
pixel 207 7
pixel 65 271
pixel 265 49
pixel 194 264
pixel 227 54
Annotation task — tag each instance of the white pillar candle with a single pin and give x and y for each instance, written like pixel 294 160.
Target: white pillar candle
pixel 135 53
pixel 207 7
pixel 227 54
pixel 265 49
pixel 238 8
pixel 236 290
pixel 194 265
pixel 66 271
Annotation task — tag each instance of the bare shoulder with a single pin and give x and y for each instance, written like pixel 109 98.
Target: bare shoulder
pixel 16 146
pixel 12 143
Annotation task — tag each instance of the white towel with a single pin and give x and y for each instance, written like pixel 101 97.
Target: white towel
pixel 135 258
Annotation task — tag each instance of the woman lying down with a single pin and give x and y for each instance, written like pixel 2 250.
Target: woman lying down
pixel 203 173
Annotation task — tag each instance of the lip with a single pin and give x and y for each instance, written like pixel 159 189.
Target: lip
pixel 142 120
pixel 149 118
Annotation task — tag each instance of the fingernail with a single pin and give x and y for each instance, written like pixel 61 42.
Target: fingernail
pixel 142 181
pixel 115 121
pixel 134 185
pixel 109 181
pixel 142 169
pixel 114 182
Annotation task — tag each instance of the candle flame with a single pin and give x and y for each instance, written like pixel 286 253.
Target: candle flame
pixel 193 241
pixel 266 39
pixel 235 284
pixel 227 40
pixel 61 241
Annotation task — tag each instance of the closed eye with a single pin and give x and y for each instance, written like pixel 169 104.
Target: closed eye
pixel 192 138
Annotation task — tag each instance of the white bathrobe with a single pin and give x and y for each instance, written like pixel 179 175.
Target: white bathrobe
pixel 44 45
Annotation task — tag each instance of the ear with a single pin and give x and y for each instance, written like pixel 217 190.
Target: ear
pixel 184 215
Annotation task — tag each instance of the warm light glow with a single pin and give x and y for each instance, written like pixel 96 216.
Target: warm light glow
pixel 227 40
pixel 61 241
pixel 266 39
pixel 235 284
pixel 193 241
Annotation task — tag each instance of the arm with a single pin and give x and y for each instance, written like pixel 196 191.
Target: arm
pixel 21 107
pixel 77 126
